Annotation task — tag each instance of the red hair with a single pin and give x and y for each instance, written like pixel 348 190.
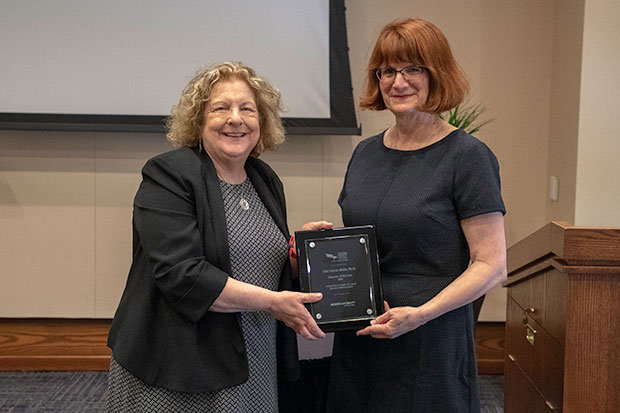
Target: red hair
pixel 420 43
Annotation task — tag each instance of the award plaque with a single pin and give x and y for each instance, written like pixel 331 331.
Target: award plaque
pixel 343 264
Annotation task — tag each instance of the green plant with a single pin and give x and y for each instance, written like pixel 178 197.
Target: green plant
pixel 466 117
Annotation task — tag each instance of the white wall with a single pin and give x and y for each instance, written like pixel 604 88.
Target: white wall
pixel 598 179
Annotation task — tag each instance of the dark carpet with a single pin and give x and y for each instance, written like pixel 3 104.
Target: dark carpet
pixel 22 392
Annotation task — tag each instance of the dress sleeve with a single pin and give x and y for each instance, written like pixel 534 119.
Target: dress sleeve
pixel 165 219
pixel 477 188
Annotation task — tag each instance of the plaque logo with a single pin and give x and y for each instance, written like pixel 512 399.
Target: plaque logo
pixel 341 256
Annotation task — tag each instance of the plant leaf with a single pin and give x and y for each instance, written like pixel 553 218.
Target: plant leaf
pixel 466 117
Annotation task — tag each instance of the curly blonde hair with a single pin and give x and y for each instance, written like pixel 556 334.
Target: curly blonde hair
pixel 187 119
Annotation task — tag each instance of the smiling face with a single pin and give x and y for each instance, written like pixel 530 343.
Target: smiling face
pixel 403 97
pixel 231 127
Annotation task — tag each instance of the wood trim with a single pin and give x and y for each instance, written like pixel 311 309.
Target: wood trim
pixel 529 271
pixel 80 345
pixel 54 363
pixel 54 344
pixel 490 349
pixel 544 243
pixel 569 244
pixel 590 244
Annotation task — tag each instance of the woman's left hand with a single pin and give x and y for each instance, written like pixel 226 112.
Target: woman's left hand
pixel 394 322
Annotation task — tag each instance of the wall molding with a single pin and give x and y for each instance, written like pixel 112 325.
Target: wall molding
pixel 489 338
pixel 80 345
pixel 54 344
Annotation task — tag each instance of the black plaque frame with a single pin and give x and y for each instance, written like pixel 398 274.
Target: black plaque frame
pixel 343 264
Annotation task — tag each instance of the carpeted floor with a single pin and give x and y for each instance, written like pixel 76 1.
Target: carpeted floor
pixel 22 392
pixel 491 390
pixel 52 391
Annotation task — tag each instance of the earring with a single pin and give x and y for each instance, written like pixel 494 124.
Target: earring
pixel 199 145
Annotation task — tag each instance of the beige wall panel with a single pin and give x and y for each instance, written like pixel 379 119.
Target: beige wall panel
pixel 513 72
pixel 113 246
pixel 494 305
pixel 44 275
pixel 565 98
pixel 337 152
pixel 514 85
pixel 118 163
pixel 47 229
pixel 299 163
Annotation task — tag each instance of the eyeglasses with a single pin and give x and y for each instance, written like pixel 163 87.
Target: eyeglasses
pixel 388 74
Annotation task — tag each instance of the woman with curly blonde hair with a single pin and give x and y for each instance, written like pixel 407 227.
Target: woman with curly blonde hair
pixel 185 123
pixel 201 322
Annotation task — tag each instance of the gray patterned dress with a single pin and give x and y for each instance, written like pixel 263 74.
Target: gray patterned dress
pixel 257 255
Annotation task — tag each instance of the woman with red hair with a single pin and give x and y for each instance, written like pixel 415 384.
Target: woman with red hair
pixel 433 193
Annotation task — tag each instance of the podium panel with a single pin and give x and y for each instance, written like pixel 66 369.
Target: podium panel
pixel 562 332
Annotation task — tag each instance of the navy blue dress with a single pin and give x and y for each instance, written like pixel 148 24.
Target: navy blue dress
pixel 416 199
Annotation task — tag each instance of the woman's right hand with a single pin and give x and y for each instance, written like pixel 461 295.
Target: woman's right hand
pixel 315 225
pixel 288 307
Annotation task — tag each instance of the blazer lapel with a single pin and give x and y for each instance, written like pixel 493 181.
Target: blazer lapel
pixel 216 227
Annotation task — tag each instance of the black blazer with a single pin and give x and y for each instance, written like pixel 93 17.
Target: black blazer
pixel 163 331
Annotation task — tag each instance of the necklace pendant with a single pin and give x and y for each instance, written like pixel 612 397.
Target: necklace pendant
pixel 244 204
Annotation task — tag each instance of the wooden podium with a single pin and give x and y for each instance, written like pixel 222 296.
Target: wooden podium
pixel 563 321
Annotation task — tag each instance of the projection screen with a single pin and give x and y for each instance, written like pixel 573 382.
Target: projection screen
pixel 122 64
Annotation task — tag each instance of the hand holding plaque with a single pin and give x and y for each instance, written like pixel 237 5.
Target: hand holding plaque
pixel 343 265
